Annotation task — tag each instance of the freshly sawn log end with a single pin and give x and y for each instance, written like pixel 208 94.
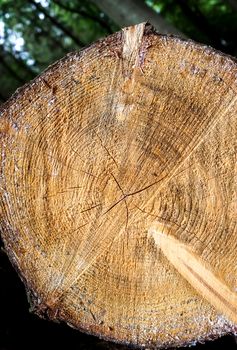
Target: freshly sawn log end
pixel 137 130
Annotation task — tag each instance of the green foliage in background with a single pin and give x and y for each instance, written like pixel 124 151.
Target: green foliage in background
pixel 35 33
pixel 213 22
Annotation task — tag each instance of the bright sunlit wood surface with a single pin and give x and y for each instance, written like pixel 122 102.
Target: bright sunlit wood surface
pixel 134 130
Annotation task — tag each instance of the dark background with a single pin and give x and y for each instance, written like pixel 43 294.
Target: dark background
pixel 35 33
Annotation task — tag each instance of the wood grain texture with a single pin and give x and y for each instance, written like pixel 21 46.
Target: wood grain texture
pixel 196 272
pixel 137 128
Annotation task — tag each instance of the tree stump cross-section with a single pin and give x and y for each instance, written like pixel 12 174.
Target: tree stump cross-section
pixel 134 134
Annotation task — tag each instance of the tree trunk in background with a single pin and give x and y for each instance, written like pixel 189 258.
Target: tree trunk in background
pixel 233 4
pixel 129 12
pixel 58 24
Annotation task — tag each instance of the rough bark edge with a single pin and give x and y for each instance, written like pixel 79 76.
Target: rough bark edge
pixel 99 44
pixel 42 310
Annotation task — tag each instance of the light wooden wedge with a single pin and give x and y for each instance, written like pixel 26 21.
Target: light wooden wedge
pixel 135 129
pixel 196 272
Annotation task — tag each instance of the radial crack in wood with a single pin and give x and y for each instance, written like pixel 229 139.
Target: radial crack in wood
pixel 135 129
